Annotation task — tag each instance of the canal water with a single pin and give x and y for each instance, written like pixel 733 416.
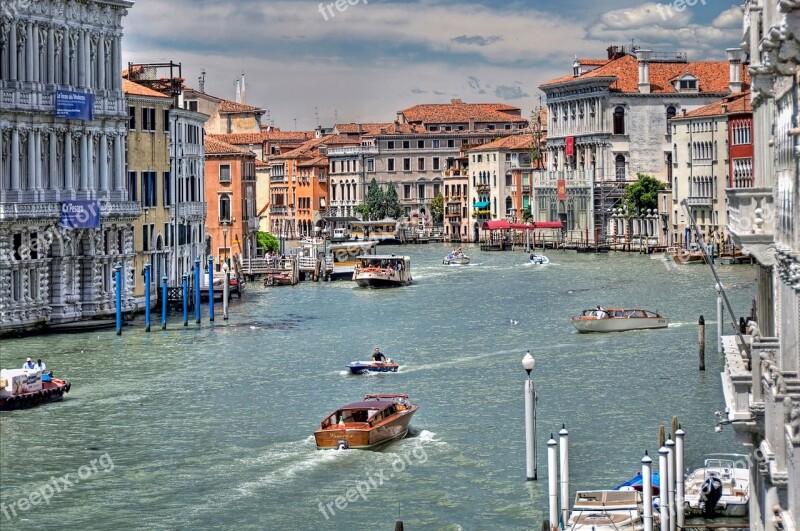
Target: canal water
pixel 211 426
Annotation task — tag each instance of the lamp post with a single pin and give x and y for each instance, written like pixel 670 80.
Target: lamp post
pixel 225 244
pixel 530 419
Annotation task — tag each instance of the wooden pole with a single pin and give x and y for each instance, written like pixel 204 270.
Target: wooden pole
pixel 675 424
pixel 398 526
pixel 661 436
pixel 702 342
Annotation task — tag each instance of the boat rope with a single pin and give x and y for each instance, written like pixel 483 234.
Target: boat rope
pixel 720 288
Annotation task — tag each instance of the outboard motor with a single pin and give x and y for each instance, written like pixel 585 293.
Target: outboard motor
pixel 342 445
pixel 710 495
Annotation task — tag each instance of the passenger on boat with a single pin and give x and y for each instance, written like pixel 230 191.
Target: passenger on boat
pixel 601 313
pixel 40 366
pixel 29 365
pixel 378 355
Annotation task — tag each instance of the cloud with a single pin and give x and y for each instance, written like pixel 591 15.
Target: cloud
pixel 729 19
pixel 418 91
pixel 477 39
pixel 510 93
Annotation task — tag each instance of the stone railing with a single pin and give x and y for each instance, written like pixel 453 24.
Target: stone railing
pixel 751 215
pixel 24 211
pixel 26 99
pixel 551 178
pixel 353 150
pixel 699 201
pixel 194 210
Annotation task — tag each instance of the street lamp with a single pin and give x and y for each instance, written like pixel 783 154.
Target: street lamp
pixel 530 418
pixel 225 244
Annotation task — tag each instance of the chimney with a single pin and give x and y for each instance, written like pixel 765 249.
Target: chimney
pixel 238 90
pixel 244 88
pixel 396 126
pixel 735 60
pixel 456 101
pixel 471 126
pixel 724 108
pixel 643 56
pixel 613 52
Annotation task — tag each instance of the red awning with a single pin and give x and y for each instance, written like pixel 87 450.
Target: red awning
pixel 504 224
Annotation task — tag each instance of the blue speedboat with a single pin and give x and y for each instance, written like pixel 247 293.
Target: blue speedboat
pixel 635 483
pixel 361 367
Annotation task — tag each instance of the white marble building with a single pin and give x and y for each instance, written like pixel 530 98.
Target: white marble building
pixel 49 274
pixel 762 381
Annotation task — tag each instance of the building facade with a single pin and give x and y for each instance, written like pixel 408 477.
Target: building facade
pixel 761 382
pixel 65 214
pixel 609 118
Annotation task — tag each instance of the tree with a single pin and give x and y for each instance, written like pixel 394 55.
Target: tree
pixel 375 201
pixel 437 209
pixel 362 210
pixel 526 214
pixel 392 203
pixel 267 242
pixel 643 194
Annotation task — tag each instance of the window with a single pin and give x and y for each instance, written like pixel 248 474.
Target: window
pixel 451 143
pixel 224 208
pixel 480 158
pixel 167 189
pixel 166 120
pixel 420 144
pixel 619 121
pixel 406 191
pixel 420 191
pixel 148 119
pixel 193 106
pixel 620 167
pixel 149 189
pixel 670 114
pixel 390 165
pixel 132 118
pixel 224 173
pixel 421 164
pixel 435 144
pixel 390 144
pixel 132 195
pixel 406 164
pixel 370 165
pixel 687 84
pixel 435 163
pixel 406 144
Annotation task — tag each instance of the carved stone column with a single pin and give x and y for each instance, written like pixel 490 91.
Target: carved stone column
pixel 68 179
pixel 101 63
pixel 103 163
pixel 12 51
pixel 84 180
pixel 29 52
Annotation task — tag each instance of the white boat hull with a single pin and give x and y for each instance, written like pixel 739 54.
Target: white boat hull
pixel 622 324
pixel 368 279
pixel 735 481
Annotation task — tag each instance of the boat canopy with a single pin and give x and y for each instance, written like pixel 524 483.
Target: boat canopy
pixel 504 224
pixel 368 404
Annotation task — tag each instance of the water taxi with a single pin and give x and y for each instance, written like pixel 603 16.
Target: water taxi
pixel 539 259
pixel 367 424
pixel 384 231
pixel 720 487
pixel 607 510
pixel 618 320
pixel 383 271
pixel 345 257
pixel 456 257
pixel 21 388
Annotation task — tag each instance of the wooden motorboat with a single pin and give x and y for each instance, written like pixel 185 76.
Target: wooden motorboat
pixel 618 320
pixel 607 510
pixel 685 256
pixel 361 367
pixel 456 258
pixel 382 271
pixel 539 259
pixel 369 423
pixel 21 389
pixel 721 487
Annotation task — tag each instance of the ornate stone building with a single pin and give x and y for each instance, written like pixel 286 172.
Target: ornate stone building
pixel 761 380
pixel 65 218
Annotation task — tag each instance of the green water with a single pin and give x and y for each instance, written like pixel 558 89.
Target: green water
pixel 211 427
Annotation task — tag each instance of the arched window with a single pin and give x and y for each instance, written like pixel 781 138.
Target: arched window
pixel 224 208
pixel 333 191
pixel 509 205
pixel 619 121
pixel 670 115
pixel 620 167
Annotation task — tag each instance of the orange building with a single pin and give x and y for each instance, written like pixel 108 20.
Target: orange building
pixel 231 223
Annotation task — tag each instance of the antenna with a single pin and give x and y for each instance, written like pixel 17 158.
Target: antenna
pixel 295 124
pixel 316 115
pixel 202 81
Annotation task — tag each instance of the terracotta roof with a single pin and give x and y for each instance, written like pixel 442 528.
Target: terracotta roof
pixel 459 112
pixel 316 161
pixel 261 164
pixel 246 139
pixel 218 147
pixel 736 103
pixel 593 62
pixel 306 149
pixel 233 107
pixel 135 89
pixel 520 141
pixel 713 76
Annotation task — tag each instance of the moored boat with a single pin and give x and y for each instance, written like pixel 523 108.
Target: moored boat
pixel 361 367
pixel 721 487
pixel 366 424
pixel 618 320
pixel 382 271
pixel 345 257
pixel 607 510
pixel 21 389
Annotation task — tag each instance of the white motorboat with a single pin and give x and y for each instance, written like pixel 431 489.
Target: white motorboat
pixel 721 487
pixel 456 258
pixel 618 320
pixel 382 271
pixel 539 259
pixel 607 510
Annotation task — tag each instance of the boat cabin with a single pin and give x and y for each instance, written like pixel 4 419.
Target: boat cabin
pixel 363 414
pixel 620 313
pixel 383 263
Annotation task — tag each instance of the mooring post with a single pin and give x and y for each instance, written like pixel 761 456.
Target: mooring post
pixel 719 319
pixel 663 475
pixel 702 342
pixel 670 446
pixel 647 491
pixel 185 299
pixel 211 288
pixel 530 419
pixel 552 475
pixel 680 488
pixel 147 296
pixel 118 295
pixel 226 291
pixel 563 447
pixel 164 295
pixel 197 290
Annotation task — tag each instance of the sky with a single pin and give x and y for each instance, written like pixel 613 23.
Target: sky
pixel 310 63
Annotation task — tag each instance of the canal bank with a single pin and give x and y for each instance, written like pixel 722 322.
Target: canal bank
pixel 211 426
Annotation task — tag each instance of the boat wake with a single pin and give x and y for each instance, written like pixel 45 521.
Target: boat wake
pixel 455 361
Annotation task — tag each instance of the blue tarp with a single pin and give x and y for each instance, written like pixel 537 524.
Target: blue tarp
pixel 481 204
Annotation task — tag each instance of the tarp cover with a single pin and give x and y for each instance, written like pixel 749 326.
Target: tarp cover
pixel 504 224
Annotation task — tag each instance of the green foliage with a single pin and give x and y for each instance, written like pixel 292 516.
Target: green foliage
pixel 267 242
pixel 362 210
pixel 375 201
pixel 392 203
pixel 526 214
pixel 643 194
pixel 437 209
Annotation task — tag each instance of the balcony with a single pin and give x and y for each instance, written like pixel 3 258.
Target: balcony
pixel 278 210
pixel 549 179
pixel 253 224
pixel 31 100
pixel 699 201
pixel 189 210
pixel 751 221
pixel 278 179
pixel 353 150
pixel 482 188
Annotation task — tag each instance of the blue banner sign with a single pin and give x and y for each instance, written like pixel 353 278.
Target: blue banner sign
pixel 80 214
pixel 74 105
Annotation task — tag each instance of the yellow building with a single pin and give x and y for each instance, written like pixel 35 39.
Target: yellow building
pixel 149 183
